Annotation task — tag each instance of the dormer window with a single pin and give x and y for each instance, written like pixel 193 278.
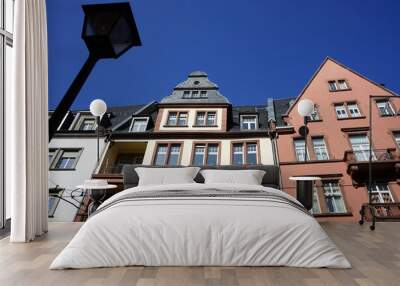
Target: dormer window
pixel 195 94
pixel 87 124
pixel 336 85
pixel 248 122
pixel 139 124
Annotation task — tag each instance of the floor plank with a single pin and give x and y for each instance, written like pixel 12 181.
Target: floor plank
pixel 375 257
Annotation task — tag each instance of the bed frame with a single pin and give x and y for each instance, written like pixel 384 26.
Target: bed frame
pixel 270 179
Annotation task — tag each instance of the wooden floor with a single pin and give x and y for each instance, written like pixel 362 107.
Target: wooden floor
pixel 375 257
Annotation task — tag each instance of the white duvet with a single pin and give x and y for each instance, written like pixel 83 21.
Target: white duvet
pixel 202 231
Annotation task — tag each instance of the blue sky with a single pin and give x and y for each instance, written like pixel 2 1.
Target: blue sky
pixel 252 49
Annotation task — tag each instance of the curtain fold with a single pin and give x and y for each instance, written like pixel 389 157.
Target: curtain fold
pixel 28 123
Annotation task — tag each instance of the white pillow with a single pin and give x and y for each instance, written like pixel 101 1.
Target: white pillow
pixel 166 176
pixel 248 177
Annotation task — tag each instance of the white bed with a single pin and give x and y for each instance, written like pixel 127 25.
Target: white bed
pixel 247 225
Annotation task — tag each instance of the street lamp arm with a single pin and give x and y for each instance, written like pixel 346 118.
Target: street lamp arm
pixel 69 97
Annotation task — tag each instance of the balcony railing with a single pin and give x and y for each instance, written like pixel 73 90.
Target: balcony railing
pixel 378 155
pixel 113 169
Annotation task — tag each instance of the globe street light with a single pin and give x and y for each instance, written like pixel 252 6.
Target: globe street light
pixel 305 108
pixel 98 108
pixel 109 30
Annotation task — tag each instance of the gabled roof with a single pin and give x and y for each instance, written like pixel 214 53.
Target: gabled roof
pixel 343 66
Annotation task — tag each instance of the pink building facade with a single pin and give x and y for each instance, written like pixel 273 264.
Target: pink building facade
pixel 338 142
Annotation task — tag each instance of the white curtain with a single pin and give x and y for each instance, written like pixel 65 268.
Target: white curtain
pixel 27 123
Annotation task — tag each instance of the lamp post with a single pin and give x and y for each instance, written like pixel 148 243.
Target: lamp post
pixel 98 108
pixel 305 108
pixel 109 30
pixel 304 185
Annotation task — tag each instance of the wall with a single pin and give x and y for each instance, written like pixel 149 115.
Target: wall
pixel 70 179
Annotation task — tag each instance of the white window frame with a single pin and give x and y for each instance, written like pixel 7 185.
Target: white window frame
pixel 300 150
pixel 340 85
pixel 206 115
pixel 146 119
pixel 92 123
pixel 59 155
pixel 317 205
pixel 389 110
pixel 248 124
pixel 353 110
pixel 56 200
pixel 320 149
pixel 242 153
pixel 341 108
pixel 379 192
pixel 195 94
pixel 332 84
pixel 361 150
pixel 167 153
pixel 332 188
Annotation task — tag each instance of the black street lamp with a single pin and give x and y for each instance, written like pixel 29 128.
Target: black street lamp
pixel 109 30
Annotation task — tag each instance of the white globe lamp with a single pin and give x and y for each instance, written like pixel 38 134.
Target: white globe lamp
pixel 98 107
pixel 305 107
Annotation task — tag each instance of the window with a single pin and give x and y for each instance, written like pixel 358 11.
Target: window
pixel 320 150
pixel 206 118
pixel 52 153
pixel 342 84
pixel 201 119
pixel 238 157
pixel 172 116
pixel 360 146
pixel 177 118
pixel 300 147
pixel 333 197
pixel 397 138
pixel 251 154
pixel 174 152
pixel 341 111
pixel 88 124
pixel 245 153
pixel 138 125
pixel 195 94
pixel 211 119
pixel 161 155
pixel 314 116
pixel 205 154
pixel 347 110
pixel 385 108
pixel 316 208
pixel 203 94
pixel 380 193
pixel 332 85
pixel 248 122
pixel 6 64
pixel 65 159
pixel 167 154
pixel 336 85
pixel 353 109
pixel 54 198
pixel 199 155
